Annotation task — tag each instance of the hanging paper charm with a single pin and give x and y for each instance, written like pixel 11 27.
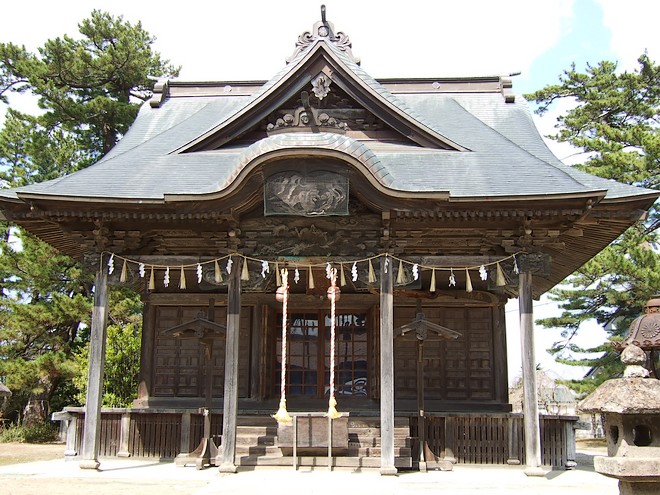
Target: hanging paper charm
pixel 452 278
pixel 415 271
pixel 200 272
pixel 111 264
pixel 264 268
pixel 483 273
pixel 166 278
pixel 141 270
pixel 516 270
pixel 230 262
pixel 296 275
pixel 354 273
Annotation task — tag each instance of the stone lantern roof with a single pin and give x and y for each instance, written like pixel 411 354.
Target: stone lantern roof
pixel 632 394
pixel 644 331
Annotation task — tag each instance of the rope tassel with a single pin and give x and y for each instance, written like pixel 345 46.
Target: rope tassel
pixel 282 415
pixel 500 279
pixel 182 279
pixel 372 273
pixel 468 282
pixel 399 276
pixel 217 273
pixel 124 270
pixel 333 295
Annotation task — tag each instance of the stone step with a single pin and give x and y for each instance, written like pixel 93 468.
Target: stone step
pixel 254 440
pixel 321 461
pixel 256 430
pixel 374 422
pixel 258 450
pixel 376 451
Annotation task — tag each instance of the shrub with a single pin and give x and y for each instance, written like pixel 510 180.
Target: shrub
pixel 36 433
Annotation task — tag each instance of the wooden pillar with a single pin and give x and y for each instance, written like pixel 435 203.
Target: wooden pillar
pixel 230 405
pixel 531 424
pixel 92 434
pixel 146 354
pixel 500 367
pixel 256 332
pixel 386 368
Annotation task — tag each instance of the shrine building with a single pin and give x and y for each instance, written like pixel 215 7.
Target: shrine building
pixel 326 243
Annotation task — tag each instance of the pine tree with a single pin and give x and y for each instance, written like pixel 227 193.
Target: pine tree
pixel 89 91
pixel 614 124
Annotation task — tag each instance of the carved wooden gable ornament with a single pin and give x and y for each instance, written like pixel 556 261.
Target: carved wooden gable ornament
pixel 308 194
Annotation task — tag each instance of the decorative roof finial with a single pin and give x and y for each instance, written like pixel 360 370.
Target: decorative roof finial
pixel 325 30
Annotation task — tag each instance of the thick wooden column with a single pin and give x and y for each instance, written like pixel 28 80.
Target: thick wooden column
pixel 386 369
pixel 230 405
pixel 146 354
pixel 530 404
pixel 92 427
pixel 500 366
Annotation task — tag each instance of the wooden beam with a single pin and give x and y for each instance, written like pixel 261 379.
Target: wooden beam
pixel 386 368
pixel 531 424
pixel 92 435
pixel 230 405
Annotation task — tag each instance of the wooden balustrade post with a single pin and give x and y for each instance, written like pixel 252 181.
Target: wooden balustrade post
pixel 124 434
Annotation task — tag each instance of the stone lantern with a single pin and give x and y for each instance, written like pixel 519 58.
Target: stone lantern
pixel 631 406
pixel 644 332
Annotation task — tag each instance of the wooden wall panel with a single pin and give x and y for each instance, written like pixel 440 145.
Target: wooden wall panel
pixel 454 370
pixel 179 364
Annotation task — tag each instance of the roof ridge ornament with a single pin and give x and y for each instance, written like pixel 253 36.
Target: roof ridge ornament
pixel 325 30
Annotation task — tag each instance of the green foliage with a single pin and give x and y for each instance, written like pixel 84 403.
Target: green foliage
pixel 615 124
pixel 89 87
pixel 89 91
pixel 45 301
pixel 122 358
pixel 42 432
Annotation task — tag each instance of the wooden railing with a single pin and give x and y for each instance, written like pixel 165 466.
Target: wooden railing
pixel 161 433
pixel 464 438
pixel 461 438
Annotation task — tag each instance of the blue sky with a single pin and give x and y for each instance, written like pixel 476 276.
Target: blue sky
pixel 251 39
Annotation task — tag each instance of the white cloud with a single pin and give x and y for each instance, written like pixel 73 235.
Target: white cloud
pixel 634 27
